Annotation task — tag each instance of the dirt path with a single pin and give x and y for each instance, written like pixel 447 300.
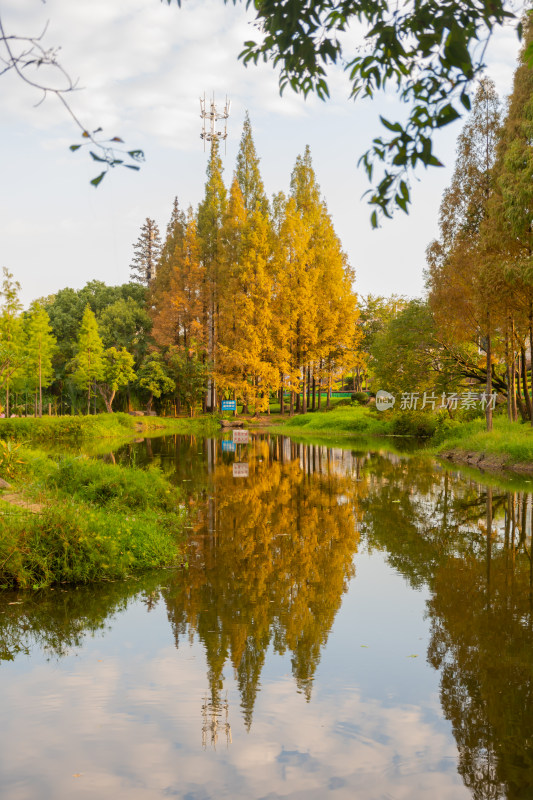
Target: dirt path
pixel 20 502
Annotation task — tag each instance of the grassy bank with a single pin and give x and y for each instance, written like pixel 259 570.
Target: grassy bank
pixel 506 445
pixel 88 521
pixel 350 420
pixel 100 426
pixel 511 443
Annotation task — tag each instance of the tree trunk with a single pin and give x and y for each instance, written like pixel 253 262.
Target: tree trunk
pixel 319 404
pixel 524 381
pixel 304 391
pixel 488 389
pixel 531 349
pixel 291 405
pixel 282 399
pixel 508 374
pixel 40 388
pixel 328 403
pixel 314 392
pixel 513 373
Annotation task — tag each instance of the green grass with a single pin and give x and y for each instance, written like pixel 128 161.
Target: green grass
pixel 98 522
pixel 513 442
pixel 507 439
pixel 99 426
pixel 345 419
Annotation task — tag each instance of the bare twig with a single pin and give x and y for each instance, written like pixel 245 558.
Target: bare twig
pixel 34 55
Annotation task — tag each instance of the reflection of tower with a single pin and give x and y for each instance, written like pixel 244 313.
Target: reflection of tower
pixel 212 724
pixel 211 116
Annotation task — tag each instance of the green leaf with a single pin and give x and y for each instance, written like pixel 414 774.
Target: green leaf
pixel 446 115
pixel 391 126
pixel 74 147
pixel 98 179
pixel 465 100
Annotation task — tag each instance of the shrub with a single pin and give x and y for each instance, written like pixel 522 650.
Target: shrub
pixel 360 397
pixel 414 423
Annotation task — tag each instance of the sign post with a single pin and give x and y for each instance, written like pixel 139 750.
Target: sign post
pixel 240 469
pixel 229 405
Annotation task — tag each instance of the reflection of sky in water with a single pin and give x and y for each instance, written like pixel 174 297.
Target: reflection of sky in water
pixel 124 713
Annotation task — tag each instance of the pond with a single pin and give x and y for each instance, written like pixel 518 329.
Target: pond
pixel 350 624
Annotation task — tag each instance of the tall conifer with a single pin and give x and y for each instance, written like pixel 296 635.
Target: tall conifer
pixel 147 253
pixel 39 351
pixel 247 171
pixel 210 216
pixel 89 360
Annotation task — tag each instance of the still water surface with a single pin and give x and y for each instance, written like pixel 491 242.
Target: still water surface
pixel 351 625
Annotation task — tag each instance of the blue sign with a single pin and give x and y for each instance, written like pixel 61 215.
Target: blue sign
pixel 228 446
pixel 229 405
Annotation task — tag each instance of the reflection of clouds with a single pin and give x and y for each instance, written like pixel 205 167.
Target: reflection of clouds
pixel 131 726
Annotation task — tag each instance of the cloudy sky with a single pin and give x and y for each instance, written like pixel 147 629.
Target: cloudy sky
pixel 142 67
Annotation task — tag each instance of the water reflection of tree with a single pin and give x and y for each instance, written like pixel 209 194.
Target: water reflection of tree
pixel 58 620
pixel 472 546
pixel 270 560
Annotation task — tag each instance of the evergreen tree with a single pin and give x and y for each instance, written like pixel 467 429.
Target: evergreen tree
pixel 147 253
pixel 247 171
pixel 39 351
pixel 88 364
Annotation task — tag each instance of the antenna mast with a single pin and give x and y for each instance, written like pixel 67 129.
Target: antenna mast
pixel 210 116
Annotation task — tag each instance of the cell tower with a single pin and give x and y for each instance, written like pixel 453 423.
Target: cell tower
pixel 211 117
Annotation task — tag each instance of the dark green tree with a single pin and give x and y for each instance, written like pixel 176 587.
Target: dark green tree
pixel 147 253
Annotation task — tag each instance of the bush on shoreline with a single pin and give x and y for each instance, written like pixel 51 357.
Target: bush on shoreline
pixel 97 426
pixel 97 522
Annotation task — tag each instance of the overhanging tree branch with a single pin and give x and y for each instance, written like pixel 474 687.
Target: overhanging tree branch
pixel 20 54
